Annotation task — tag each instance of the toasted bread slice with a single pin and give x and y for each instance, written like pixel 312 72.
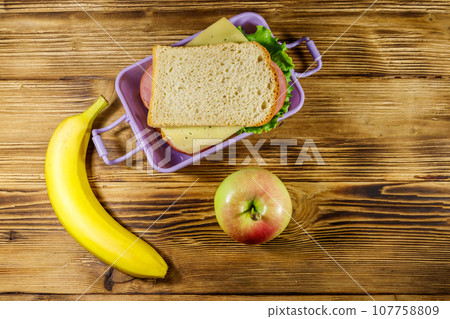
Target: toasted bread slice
pixel 228 84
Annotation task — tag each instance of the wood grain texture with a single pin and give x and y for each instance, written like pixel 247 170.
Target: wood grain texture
pixel 378 113
pixel 159 297
pixel 416 42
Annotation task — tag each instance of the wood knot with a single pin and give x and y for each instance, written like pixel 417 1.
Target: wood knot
pixel 12 235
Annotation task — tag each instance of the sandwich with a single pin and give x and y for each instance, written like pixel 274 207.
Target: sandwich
pixel 223 82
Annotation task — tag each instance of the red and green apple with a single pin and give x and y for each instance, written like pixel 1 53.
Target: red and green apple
pixel 252 205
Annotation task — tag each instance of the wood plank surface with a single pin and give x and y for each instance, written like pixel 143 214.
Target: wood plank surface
pixel 416 43
pixel 378 113
pixel 158 297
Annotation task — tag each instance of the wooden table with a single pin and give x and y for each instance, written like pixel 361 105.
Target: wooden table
pixel 378 113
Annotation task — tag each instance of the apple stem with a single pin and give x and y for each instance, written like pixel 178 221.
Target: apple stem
pixel 255 215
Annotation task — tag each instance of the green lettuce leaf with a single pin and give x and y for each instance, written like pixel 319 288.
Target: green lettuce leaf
pixel 278 55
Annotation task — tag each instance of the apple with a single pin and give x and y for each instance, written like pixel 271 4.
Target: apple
pixel 252 205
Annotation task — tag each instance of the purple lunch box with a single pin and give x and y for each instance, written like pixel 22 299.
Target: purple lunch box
pixel 162 156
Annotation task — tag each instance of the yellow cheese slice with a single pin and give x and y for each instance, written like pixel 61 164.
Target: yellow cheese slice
pixel 193 139
pixel 220 31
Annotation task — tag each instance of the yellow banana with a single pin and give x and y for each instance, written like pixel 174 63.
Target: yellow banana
pixel 79 210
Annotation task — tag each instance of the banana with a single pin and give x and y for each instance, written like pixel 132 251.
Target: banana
pixel 78 209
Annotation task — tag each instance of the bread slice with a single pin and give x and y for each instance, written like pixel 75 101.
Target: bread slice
pixel 228 84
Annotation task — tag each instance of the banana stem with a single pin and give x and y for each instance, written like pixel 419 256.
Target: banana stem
pixel 92 112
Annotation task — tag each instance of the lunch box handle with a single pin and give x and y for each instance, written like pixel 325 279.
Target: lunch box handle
pixel 98 142
pixel 314 53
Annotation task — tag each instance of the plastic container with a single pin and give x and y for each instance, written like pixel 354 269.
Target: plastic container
pixel 161 155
